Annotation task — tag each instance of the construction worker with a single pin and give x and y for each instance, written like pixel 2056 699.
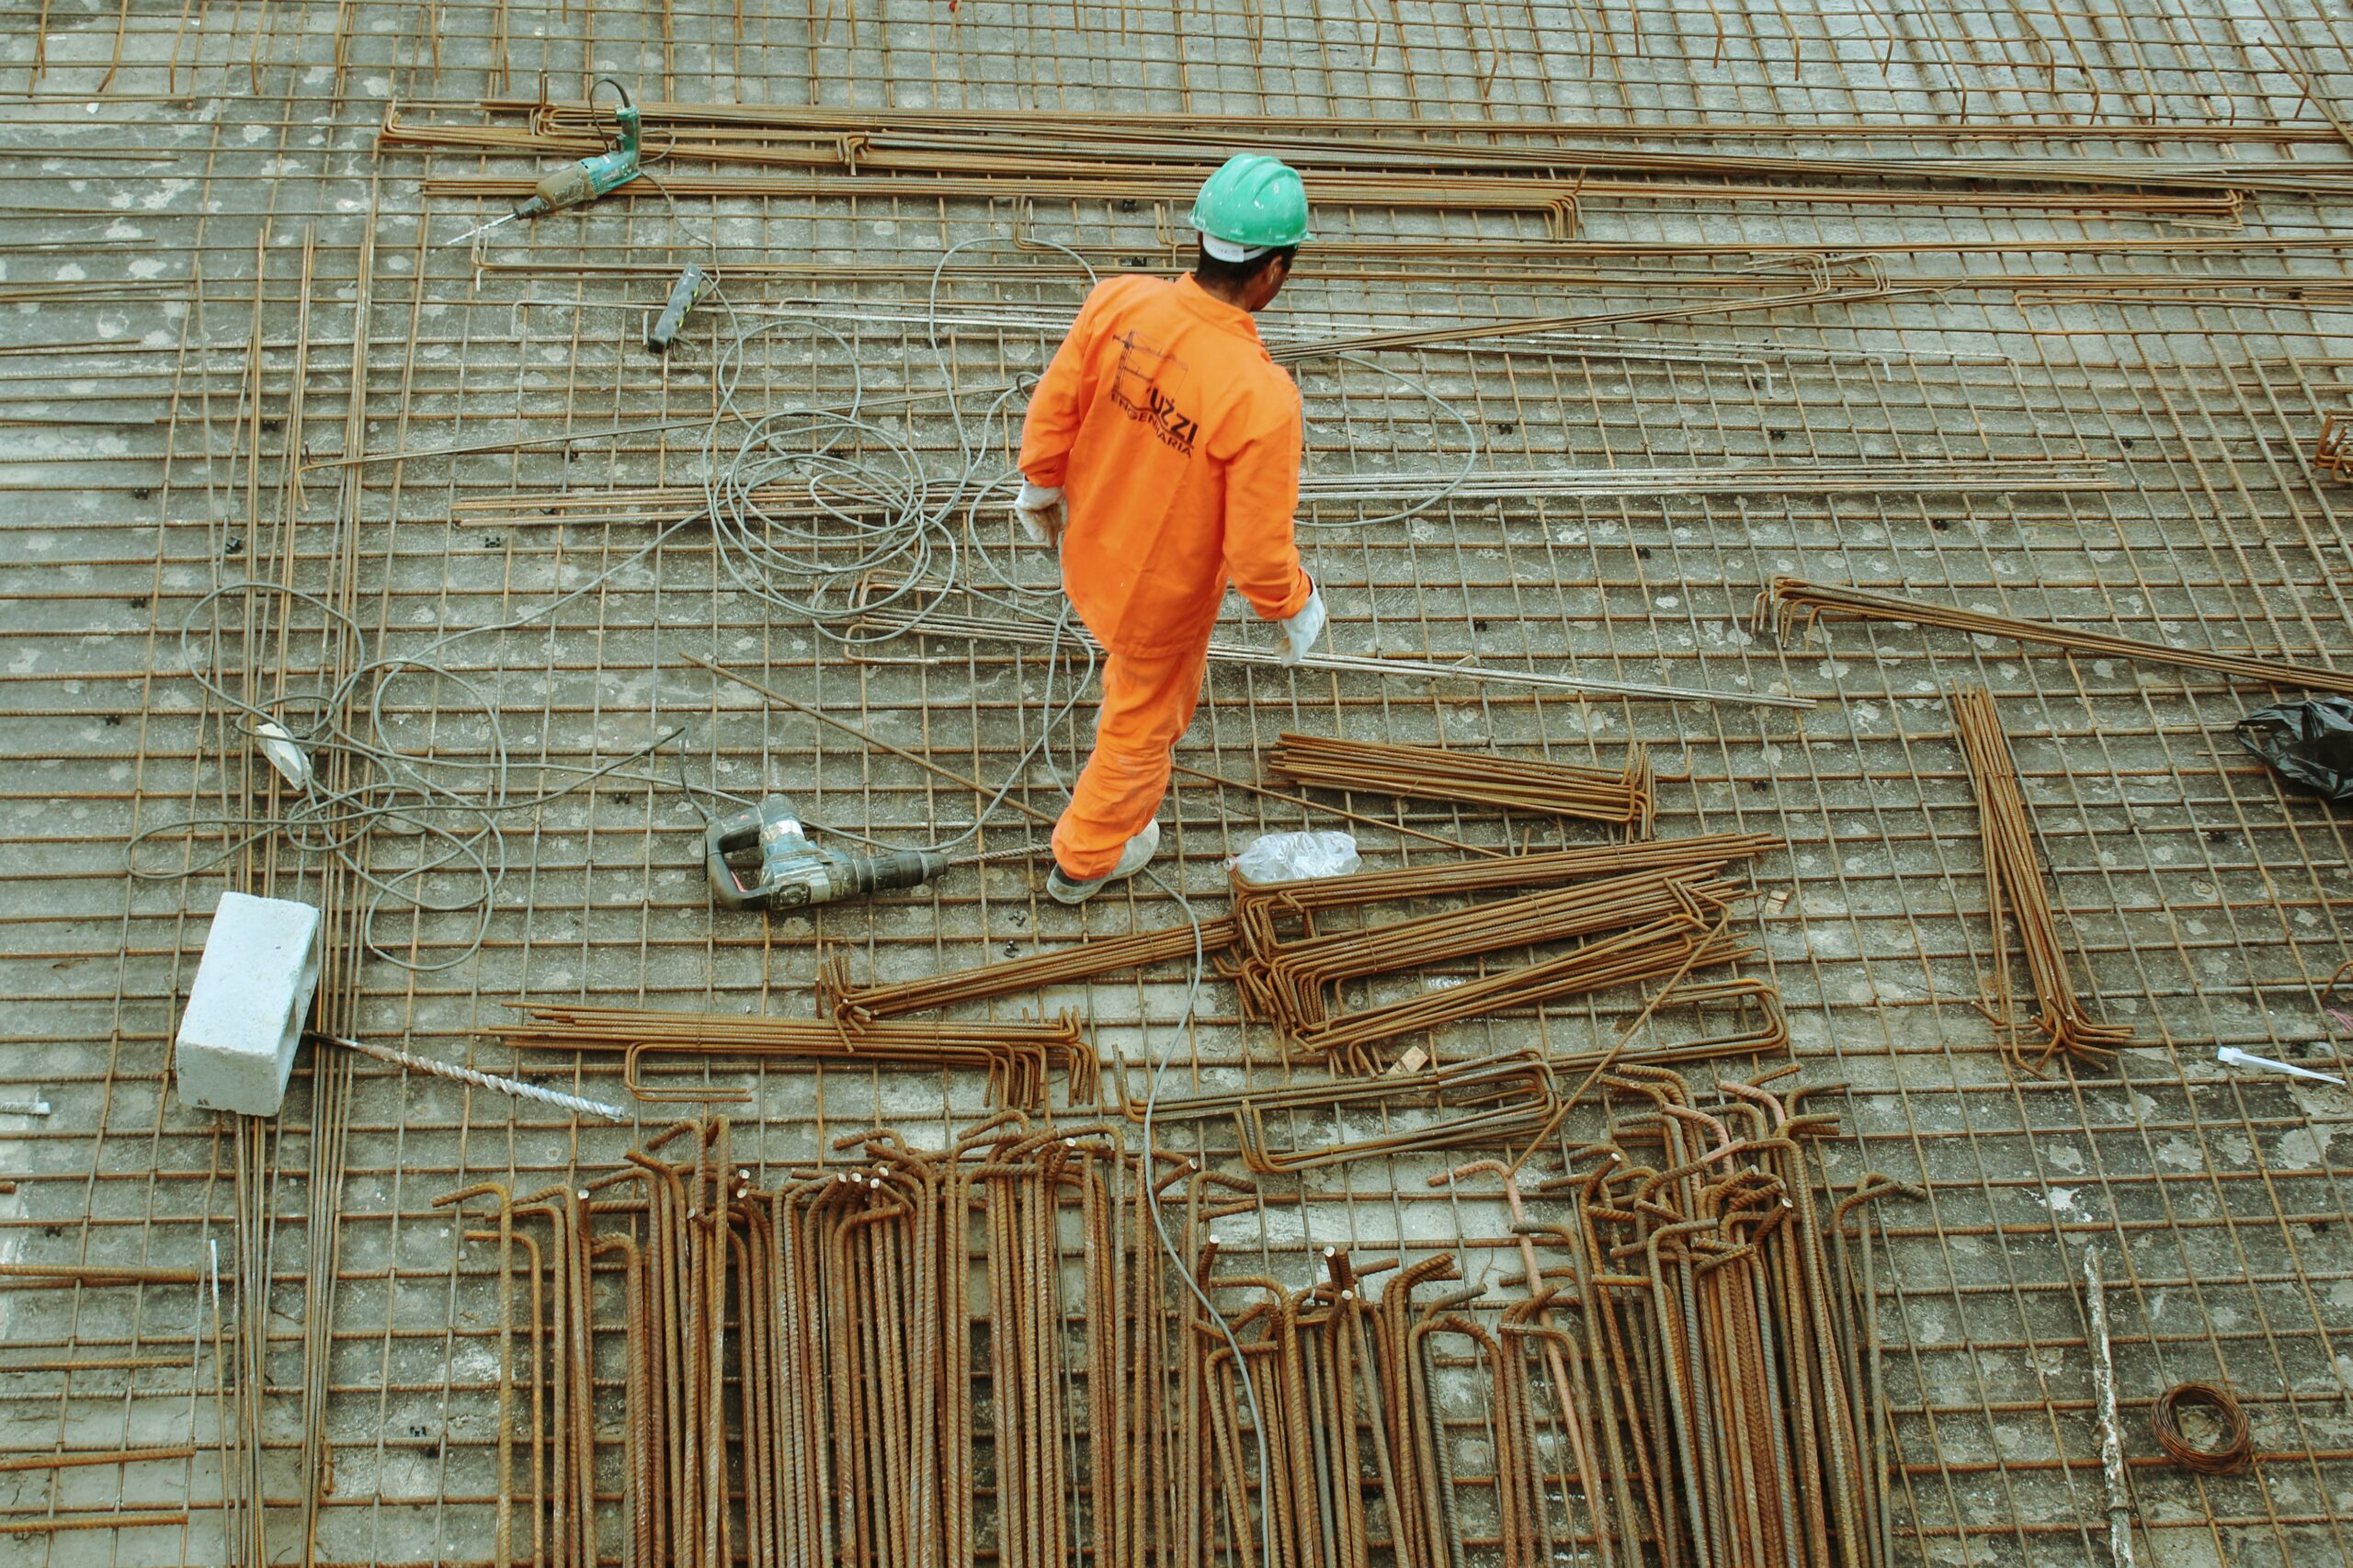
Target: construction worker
pixel 1162 450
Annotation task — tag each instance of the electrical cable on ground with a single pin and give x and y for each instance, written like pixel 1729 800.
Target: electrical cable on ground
pixel 927 539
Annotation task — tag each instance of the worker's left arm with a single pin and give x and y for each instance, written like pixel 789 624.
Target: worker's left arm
pixel 1261 493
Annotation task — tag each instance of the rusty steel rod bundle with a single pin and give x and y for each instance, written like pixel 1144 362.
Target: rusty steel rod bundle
pixel 1018 1055
pixel 1792 604
pixel 1593 794
pixel 1297 985
pixel 856 1006
pixel 658 504
pixel 1402 1090
pixel 1711 1364
pixel 848 1009
pixel 1349 1407
pixel 1850 280
pixel 813 1374
pixel 1506 1101
pixel 2014 887
pixel 890 140
pixel 1944 475
pixel 913 1358
pixel 1283 965
pixel 1375 171
pixel 1683 1389
pixel 1258 906
pixel 1555 202
pixel 1661 950
pixel 1501 134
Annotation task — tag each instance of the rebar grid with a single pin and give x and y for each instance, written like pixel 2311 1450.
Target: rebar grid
pixel 157 380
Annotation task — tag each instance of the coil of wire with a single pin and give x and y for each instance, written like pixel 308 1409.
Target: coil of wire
pixel 2228 1456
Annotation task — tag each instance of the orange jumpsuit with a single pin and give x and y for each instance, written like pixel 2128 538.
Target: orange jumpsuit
pixel 1175 440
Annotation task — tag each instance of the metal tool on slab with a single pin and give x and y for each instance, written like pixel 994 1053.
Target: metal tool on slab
pixel 793 873
pixel 691 286
pixel 582 181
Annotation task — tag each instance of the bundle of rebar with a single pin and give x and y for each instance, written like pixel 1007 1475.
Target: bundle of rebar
pixel 2014 887
pixel 1017 1055
pixel 1792 604
pixel 1508 1100
pixel 910 1358
pixel 1260 906
pixel 1147 159
pixel 1554 202
pixel 1511 1098
pixel 1295 984
pixel 1262 909
pixel 1943 475
pixel 1685 1389
pixel 1947 475
pixel 1594 794
pixel 1661 950
pixel 1710 1372
pixel 801 1364
pixel 1663 899
pixel 2333 450
pixel 858 1005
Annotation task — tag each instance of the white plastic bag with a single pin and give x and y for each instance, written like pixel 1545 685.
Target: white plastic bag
pixel 1296 856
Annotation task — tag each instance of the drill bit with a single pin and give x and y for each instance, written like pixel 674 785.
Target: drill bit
pixel 1020 852
pixel 481 229
pixel 456 1073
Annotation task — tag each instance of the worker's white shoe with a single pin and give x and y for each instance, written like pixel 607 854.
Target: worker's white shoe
pixel 1133 858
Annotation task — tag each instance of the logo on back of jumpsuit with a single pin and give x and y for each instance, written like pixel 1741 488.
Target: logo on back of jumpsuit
pixel 1136 392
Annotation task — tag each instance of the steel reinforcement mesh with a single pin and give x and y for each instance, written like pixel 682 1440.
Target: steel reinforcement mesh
pixel 239 356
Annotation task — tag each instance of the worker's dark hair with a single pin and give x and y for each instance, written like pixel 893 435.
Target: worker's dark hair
pixel 1234 274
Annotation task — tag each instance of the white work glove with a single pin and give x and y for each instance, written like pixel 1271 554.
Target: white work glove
pixel 1301 630
pixel 1039 511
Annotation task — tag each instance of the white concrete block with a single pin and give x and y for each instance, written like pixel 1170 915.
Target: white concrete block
pixel 245 1011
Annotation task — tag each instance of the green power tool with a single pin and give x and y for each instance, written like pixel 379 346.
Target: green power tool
pixel 584 181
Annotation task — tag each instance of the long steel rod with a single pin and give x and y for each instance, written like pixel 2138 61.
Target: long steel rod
pixel 2111 1437
pixel 1791 602
pixel 480 1080
pixel 1345 663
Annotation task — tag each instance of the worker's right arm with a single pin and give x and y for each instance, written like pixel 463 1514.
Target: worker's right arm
pixel 1261 493
pixel 1058 403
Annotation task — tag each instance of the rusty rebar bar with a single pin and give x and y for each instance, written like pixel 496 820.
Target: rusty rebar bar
pixel 1792 604
pixel 1623 798
pixel 2015 888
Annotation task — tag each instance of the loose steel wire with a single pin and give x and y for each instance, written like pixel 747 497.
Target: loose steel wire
pixel 2227 1455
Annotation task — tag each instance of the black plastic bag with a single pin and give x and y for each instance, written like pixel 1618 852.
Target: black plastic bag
pixel 2308 743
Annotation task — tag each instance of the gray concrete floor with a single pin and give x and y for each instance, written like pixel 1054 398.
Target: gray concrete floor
pixel 220 286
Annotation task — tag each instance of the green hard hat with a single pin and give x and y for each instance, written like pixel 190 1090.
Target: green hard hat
pixel 1251 204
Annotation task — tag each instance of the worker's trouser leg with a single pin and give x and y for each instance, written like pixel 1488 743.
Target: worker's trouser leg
pixel 1146 705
